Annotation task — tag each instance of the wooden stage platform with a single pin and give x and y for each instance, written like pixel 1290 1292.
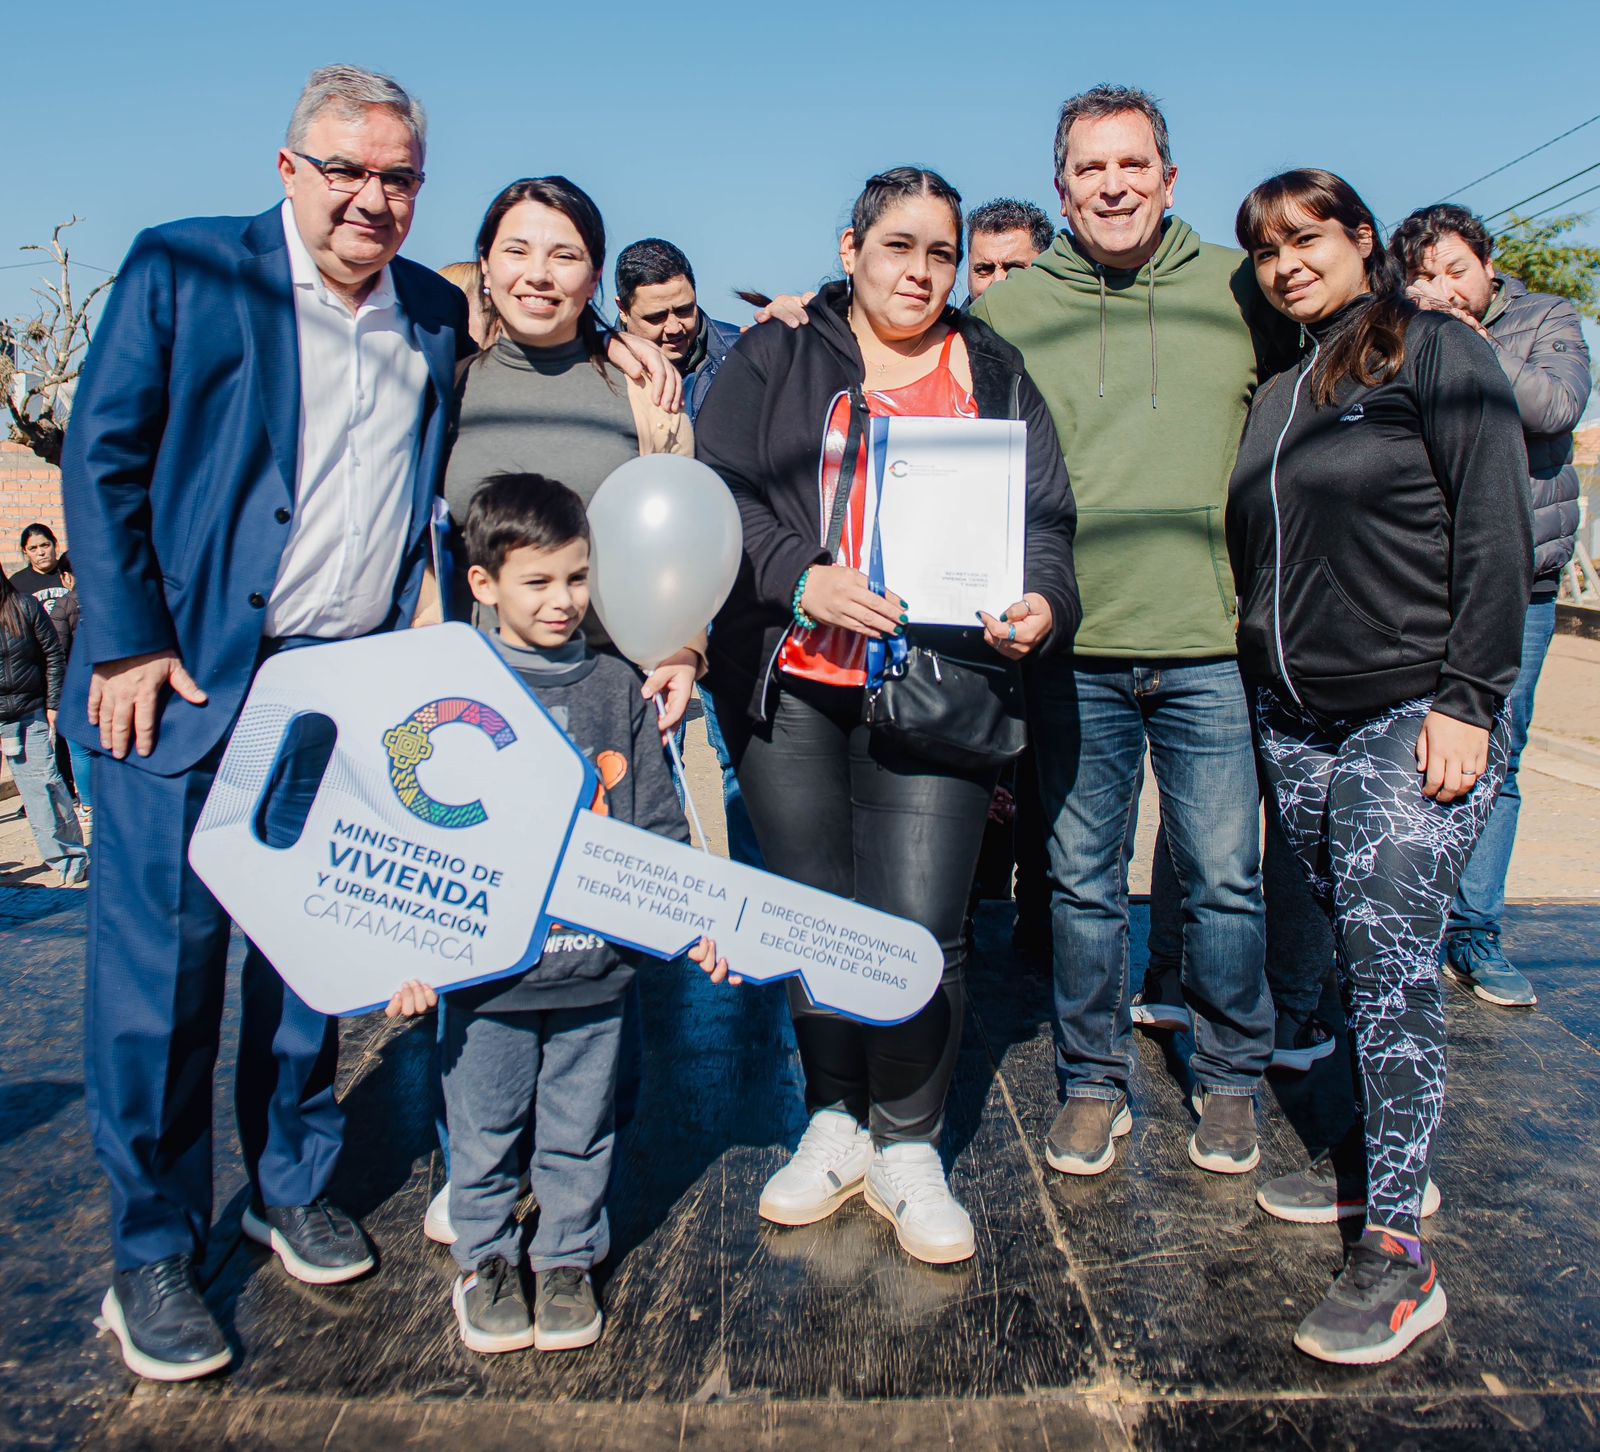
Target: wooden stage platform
pixel 1149 1308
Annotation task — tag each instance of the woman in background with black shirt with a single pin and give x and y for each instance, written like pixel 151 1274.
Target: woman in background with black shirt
pixel 1379 528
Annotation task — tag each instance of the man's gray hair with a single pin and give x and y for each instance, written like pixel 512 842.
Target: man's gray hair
pixel 351 91
pixel 1102 101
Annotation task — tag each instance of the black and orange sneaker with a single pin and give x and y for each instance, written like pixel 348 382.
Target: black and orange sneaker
pixel 1381 1302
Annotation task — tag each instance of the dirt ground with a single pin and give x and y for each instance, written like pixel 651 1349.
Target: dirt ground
pixel 1558 839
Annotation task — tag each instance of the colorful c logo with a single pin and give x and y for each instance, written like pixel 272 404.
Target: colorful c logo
pixel 410 744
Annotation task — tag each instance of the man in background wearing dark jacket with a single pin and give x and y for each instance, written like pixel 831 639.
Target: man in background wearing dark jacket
pixel 1003 236
pixel 1539 343
pixel 656 301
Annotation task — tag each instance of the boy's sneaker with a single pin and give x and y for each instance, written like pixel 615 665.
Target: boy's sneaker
pixel 906 1185
pixel 1299 1043
pixel 1474 960
pixel 1080 1140
pixel 166 1330
pixel 1321 1194
pixel 1380 1304
pixel 565 1312
pixel 824 1172
pixel 1159 1002
pixel 1225 1140
pixel 436 1219
pixel 492 1308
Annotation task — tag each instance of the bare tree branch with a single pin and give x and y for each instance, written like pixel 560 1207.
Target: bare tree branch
pixel 49 348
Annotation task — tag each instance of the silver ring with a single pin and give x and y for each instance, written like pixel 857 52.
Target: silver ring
pixel 1011 634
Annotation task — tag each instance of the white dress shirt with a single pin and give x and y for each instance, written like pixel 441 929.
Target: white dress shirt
pixel 363 381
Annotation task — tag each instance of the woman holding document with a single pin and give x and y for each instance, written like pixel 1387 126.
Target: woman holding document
pixel 834 802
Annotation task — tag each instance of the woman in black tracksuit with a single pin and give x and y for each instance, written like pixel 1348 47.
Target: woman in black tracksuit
pixel 1379 527
pixel 833 804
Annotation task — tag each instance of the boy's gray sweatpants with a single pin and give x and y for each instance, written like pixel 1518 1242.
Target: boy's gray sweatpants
pixel 557 1067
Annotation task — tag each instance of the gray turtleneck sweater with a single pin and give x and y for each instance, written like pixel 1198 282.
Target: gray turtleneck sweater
pixel 538 411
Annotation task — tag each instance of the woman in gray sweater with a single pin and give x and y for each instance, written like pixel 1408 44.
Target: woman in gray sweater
pixel 542 395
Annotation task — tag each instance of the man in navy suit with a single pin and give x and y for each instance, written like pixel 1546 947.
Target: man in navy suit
pixel 257 440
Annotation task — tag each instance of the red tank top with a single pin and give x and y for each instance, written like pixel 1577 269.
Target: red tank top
pixel 830 653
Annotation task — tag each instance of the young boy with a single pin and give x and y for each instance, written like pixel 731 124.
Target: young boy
pixel 544 1045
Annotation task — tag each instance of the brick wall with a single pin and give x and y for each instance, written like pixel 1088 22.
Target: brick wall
pixel 30 490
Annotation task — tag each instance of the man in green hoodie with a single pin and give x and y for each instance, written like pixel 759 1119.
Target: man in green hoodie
pixel 1147 345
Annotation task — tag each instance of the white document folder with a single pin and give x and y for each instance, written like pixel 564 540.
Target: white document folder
pixel 951 500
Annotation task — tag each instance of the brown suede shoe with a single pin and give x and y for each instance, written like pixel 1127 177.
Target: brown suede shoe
pixel 1080 1140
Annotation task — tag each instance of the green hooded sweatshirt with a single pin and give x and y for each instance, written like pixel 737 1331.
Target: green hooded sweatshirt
pixel 1148 375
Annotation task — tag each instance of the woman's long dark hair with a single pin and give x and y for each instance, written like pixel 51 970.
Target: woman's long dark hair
pixel 1372 345
pixel 12 621
pixel 578 207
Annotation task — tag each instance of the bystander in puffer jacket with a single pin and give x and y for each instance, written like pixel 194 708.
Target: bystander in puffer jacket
pixel 1540 345
pixel 31 664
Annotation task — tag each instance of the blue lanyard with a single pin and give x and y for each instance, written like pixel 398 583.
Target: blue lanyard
pixel 884 657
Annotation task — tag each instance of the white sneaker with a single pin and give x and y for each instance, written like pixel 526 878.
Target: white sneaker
pixel 826 1170
pixel 436 1221
pixel 906 1185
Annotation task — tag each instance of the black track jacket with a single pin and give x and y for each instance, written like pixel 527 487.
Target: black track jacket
pixel 1382 543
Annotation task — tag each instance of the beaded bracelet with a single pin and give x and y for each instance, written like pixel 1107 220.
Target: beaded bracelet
pixel 804 621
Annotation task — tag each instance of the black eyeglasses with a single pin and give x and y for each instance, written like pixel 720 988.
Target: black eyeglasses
pixel 346 178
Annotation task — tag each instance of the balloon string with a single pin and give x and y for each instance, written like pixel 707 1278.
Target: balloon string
pixel 683 779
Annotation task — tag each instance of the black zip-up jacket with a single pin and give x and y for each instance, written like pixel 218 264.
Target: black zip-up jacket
pixel 763 427
pixel 1382 543
pixel 32 664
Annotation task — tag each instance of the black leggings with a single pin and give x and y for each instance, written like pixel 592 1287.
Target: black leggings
pixel 839 809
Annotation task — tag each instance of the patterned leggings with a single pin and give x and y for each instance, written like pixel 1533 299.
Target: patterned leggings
pixel 1384 861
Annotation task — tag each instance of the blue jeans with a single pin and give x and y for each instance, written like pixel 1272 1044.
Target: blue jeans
pixel 46 802
pixel 1299 936
pixel 1480 903
pixel 1092 720
pixel 82 759
pixel 742 844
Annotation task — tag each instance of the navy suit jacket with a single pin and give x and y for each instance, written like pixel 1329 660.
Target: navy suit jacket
pixel 180 461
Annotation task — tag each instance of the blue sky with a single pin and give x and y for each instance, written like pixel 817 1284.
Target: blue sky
pixel 741 132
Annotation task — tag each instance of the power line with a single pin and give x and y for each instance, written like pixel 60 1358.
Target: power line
pixel 1525 155
pixel 1535 197
pixel 1565 201
pixel 15 266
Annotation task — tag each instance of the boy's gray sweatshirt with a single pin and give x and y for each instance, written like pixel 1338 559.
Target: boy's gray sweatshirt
pixel 595 699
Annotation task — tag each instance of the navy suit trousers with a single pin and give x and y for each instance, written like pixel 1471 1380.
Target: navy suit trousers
pixel 158 944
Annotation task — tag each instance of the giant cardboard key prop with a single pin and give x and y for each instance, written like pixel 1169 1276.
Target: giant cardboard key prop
pixel 452 827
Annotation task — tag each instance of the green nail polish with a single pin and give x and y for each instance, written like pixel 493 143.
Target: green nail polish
pixel 904 618
pixel 899 630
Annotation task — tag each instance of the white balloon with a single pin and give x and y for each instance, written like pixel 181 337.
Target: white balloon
pixel 664 550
